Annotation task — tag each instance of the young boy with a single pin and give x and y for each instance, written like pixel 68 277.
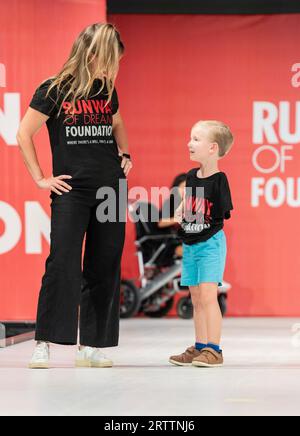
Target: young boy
pixel 207 202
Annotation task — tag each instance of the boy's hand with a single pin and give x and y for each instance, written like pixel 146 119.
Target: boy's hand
pixel 179 213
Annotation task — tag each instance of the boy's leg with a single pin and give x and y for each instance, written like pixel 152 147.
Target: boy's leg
pixel 211 356
pixel 199 316
pixel 211 309
pixel 186 358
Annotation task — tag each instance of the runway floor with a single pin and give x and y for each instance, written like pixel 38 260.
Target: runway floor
pixel 261 375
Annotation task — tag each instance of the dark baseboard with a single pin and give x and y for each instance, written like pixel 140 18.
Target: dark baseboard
pixel 15 332
pixel 203 7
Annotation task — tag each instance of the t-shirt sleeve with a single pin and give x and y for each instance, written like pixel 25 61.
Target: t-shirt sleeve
pixel 225 197
pixel 41 102
pixel 115 102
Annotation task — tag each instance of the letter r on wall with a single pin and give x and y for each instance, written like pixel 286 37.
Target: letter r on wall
pixel 2 76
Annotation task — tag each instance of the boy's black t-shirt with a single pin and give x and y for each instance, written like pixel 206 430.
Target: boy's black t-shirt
pixel 83 145
pixel 206 208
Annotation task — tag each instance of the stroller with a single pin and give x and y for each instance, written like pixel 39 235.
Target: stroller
pixel 159 269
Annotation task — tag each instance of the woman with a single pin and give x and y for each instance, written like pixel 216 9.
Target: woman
pixel 89 150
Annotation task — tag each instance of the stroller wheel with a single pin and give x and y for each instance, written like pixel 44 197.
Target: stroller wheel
pixel 185 308
pixel 130 299
pixel 163 311
pixel 223 303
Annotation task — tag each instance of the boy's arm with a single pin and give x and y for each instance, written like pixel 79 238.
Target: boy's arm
pixel 166 223
pixel 179 213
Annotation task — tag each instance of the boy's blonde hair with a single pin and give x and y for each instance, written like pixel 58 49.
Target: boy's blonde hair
pixel 219 133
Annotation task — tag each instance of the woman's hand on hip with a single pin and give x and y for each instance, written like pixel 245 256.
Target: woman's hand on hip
pixel 126 165
pixel 55 184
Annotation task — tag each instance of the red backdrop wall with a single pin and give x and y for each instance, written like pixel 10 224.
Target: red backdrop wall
pixel 179 69
pixel 35 39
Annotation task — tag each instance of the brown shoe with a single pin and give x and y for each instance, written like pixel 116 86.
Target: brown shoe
pixel 186 358
pixel 209 358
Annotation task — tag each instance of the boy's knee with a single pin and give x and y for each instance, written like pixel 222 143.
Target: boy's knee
pixel 196 297
pixel 208 295
pixel 197 304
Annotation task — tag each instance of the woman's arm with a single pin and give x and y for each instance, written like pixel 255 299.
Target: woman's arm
pixel 31 123
pixel 120 135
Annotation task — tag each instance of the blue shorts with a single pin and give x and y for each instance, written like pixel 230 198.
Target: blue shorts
pixel 204 262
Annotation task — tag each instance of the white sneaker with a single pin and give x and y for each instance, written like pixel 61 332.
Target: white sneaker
pixel 89 357
pixel 40 357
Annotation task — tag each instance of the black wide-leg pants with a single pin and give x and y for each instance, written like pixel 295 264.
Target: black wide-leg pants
pixel 69 291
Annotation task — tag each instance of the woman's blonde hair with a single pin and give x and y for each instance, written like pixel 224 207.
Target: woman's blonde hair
pixel 95 54
pixel 219 133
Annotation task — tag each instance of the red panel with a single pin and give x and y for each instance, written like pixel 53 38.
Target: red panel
pixel 179 69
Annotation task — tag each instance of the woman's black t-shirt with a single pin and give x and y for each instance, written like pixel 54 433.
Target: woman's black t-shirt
pixel 206 208
pixel 83 145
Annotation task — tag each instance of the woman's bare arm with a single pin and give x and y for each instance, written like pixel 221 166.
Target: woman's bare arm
pixel 31 123
pixel 120 135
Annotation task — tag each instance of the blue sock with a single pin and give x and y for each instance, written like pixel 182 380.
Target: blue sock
pixel 214 347
pixel 200 346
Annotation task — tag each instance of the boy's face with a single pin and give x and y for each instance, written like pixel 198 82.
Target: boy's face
pixel 200 146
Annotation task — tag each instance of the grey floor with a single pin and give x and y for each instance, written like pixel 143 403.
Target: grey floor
pixel 261 375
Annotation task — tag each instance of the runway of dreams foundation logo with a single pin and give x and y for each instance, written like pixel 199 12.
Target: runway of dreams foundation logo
pixel 89 122
pixel 197 213
pixel 276 131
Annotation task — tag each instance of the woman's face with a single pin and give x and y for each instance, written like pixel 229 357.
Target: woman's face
pixel 93 67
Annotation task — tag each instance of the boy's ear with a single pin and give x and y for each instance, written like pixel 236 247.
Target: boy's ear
pixel 215 147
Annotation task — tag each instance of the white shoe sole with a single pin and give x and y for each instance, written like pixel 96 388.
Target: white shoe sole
pixel 89 364
pixel 206 365
pixel 38 366
pixel 178 363
pixel 102 365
